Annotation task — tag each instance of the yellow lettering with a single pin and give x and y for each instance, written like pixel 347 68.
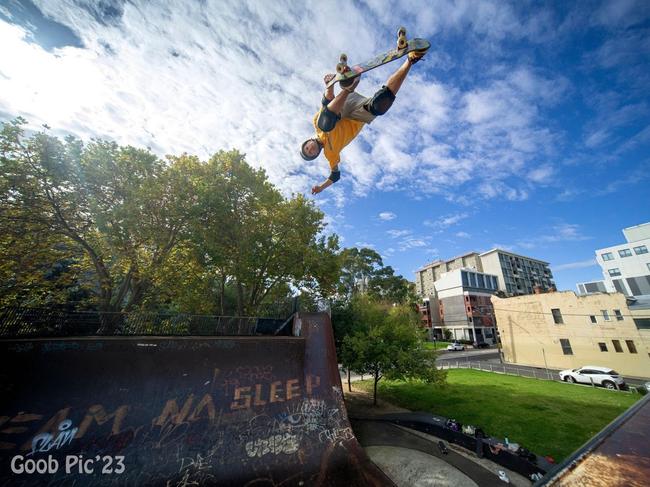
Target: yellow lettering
pixel 241 394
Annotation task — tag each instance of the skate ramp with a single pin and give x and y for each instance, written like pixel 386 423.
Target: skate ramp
pixel 181 411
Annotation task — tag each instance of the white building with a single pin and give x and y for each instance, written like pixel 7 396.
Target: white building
pixel 464 305
pixel 591 287
pixel 626 267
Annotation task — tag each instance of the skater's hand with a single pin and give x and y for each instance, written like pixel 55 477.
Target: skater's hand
pixel 328 77
pixel 316 189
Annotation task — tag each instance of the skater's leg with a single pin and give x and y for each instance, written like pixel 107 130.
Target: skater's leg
pixel 397 78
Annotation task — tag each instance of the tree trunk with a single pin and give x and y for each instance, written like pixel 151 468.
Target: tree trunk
pixel 349 383
pixel 240 299
pixel 222 294
pixel 374 399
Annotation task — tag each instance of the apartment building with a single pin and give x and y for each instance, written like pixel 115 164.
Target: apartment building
pixel 464 306
pixel 626 267
pixel 591 287
pixel 430 273
pixel 561 330
pixel 517 274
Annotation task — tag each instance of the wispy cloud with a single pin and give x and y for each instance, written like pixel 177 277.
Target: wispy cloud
pixel 558 233
pixel 399 233
pixel 575 265
pixel 446 221
pixel 387 216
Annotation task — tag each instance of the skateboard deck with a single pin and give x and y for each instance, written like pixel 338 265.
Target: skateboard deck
pixel 416 44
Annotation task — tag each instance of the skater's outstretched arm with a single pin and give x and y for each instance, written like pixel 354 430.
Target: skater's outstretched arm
pixel 333 177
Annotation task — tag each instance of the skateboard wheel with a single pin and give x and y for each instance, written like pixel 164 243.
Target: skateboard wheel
pixel 343 58
pixel 401 38
pixel 340 68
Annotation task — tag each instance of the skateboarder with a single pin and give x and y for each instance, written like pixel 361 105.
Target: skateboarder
pixel 342 117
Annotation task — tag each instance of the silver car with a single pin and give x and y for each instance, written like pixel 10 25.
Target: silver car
pixel 593 374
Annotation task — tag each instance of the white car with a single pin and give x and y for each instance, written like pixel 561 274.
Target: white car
pixel 455 346
pixel 600 376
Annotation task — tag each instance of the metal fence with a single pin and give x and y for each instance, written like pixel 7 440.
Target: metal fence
pixel 508 369
pixel 18 322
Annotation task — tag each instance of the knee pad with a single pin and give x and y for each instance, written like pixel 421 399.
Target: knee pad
pixel 381 101
pixel 327 120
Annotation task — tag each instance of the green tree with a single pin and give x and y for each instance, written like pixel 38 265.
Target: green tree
pixel 257 242
pixel 388 342
pixel 120 208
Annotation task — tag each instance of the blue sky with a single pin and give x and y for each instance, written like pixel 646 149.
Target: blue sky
pixel 526 127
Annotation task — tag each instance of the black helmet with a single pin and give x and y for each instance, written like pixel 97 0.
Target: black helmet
pixel 302 150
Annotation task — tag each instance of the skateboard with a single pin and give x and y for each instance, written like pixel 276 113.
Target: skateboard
pixel 345 73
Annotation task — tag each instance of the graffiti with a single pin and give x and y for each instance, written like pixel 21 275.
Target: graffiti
pixel 336 435
pixel 246 397
pixel 45 442
pixel 182 412
pixel 276 444
pixel 251 373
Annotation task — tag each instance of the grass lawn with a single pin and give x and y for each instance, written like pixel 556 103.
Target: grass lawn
pixel 439 345
pixel 548 418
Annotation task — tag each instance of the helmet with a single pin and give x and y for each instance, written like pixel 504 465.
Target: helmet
pixel 302 150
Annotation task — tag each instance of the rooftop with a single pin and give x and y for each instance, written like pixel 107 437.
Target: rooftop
pixel 513 254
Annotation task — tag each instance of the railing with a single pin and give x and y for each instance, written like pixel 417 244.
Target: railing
pixel 18 322
pixel 508 369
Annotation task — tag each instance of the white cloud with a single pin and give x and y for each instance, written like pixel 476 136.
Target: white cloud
pixel 387 216
pixel 446 221
pixel 463 235
pixel 180 77
pixel 364 245
pixel 398 233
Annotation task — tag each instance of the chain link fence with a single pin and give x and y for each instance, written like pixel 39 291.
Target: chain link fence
pixel 18 322
pixel 509 369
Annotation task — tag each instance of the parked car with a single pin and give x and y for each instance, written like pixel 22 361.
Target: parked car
pixel 455 346
pixel 481 345
pixel 600 376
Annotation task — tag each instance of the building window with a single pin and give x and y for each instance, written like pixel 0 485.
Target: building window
pixel 603 346
pixel 619 315
pixel 566 346
pixel 630 346
pixel 605 314
pixel 495 282
pixel 472 279
pixel 642 249
pixel 593 318
pixel 607 256
pixel 614 272
pixel 625 253
pixel 481 281
pixel 617 346
pixel 642 323
pixel 557 316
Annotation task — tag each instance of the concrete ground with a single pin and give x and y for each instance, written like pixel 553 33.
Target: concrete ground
pixel 412 458
pixel 412 468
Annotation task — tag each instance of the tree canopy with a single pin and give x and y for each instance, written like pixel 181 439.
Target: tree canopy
pixel 118 228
